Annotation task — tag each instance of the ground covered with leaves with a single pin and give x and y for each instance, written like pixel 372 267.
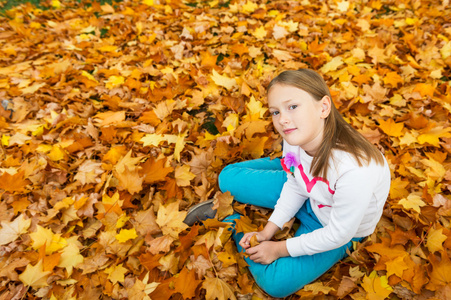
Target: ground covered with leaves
pixel 115 119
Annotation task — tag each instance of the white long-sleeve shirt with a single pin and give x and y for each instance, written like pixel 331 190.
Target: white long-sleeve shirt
pixel 348 204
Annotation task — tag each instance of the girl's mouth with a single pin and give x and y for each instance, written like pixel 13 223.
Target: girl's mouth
pixel 288 131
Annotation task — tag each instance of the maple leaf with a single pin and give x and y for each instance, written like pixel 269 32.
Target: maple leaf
pixel 145 222
pixel 115 154
pixel 35 276
pixel 440 275
pixel 217 288
pixel 435 239
pixel 129 180
pixel 13 183
pixel 110 117
pixel 170 219
pixel 89 172
pixel 126 234
pixel 43 236
pixel 116 273
pixel 223 204
pixel 412 202
pixel 10 231
pixel 142 289
pixel 318 287
pixel 255 108
pixel 183 176
pixel 222 80
pixel 160 244
pixel 433 135
pixel 70 255
pixel 391 128
pixel 155 170
pixel 393 78
pixel 244 224
pixel 376 287
pixel 186 284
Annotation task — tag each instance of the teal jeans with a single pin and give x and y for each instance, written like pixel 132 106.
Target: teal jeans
pixel 259 182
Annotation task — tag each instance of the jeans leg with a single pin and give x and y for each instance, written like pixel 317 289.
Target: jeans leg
pixel 287 275
pixel 257 182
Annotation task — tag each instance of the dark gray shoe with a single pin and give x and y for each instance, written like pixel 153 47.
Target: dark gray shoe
pixel 200 212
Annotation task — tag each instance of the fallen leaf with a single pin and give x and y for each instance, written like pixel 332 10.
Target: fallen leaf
pixel 11 231
pixel 217 288
pixel 35 276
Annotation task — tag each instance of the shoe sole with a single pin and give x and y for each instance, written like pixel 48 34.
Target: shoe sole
pixel 192 218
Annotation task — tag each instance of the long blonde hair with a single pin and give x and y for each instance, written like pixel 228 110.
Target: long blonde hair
pixel 338 134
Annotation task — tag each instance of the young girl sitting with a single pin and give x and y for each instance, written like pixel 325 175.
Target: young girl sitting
pixel 330 178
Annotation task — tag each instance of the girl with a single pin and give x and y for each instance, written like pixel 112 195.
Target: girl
pixel 330 178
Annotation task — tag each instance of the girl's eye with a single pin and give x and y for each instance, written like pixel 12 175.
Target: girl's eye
pixel 274 113
pixel 292 106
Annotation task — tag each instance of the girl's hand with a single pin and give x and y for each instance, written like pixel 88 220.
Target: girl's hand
pixel 245 241
pixel 267 252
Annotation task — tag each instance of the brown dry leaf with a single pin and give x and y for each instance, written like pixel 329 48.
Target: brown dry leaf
pixel 217 288
pixel 142 104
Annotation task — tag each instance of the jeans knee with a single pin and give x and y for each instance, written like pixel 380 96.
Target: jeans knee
pixel 224 179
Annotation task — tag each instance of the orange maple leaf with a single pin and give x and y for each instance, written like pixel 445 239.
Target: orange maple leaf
pixel 439 275
pixel 186 284
pixel 13 183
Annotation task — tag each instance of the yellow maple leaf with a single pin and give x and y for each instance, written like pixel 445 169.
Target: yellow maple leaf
pixel 435 170
pixel 43 236
pixel 332 65
pixel 412 202
pixel 222 80
pixel 170 219
pixel 183 176
pixel 435 239
pixel 57 153
pixel 126 234
pixel 217 289
pixel 433 135
pixel 391 128
pixel 152 139
pixel 122 220
pixel 10 231
pixel 396 266
pixel 114 81
pixel 260 33
pixel 255 108
pixel 35 276
pixel 376 287
pixel 70 255
pixel 116 273
pixel 115 154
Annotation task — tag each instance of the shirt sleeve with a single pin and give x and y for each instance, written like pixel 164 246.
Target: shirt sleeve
pixel 353 193
pixel 289 203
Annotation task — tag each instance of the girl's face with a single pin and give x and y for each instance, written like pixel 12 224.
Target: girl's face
pixel 298 117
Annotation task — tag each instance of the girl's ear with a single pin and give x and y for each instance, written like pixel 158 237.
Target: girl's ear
pixel 326 105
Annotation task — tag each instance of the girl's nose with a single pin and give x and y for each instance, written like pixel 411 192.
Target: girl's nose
pixel 283 119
